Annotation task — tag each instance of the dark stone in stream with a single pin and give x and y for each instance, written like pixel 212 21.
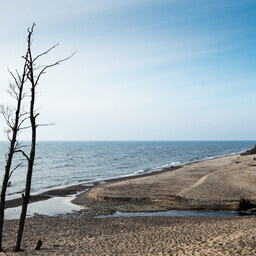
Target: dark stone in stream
pixel 245 205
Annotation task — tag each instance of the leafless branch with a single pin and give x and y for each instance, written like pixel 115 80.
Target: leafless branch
pixel 19 146
pixel 18 75
pixel 23 114
pixel 44 53
pixel 23 153
pixel 14 169
pixel 52 65
pixel 22 146
pixel 12 91
pixel 38 125
pixel 7 113
pixel 14 78
pixel 8 132
pixel 21 122
pixel 25 127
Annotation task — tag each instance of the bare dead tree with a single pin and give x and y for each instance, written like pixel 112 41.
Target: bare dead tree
pixel 34 74
pixel 14 118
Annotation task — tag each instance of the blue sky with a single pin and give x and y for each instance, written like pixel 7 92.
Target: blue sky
pixel 144 70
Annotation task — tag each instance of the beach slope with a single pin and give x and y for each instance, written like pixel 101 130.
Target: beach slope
pixel 135 236
pixel 216 184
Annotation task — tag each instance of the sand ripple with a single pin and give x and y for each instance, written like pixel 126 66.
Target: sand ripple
pixel 137 236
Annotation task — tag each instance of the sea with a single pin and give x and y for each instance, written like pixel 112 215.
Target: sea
pixel 63 163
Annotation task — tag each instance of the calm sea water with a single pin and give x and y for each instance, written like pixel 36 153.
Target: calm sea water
pixel 60 164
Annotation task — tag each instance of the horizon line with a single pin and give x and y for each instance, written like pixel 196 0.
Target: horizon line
pixel 191 140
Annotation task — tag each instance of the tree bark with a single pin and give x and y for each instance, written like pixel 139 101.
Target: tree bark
pixel 34 79
pixel 15 129
pixel 31 158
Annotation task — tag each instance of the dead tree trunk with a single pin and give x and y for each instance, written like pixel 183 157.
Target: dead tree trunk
pixel 31 157
pixel 14 125
pixel 34 80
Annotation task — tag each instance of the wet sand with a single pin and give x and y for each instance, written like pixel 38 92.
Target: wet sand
pixel 216 184
pixel 59 192
pixel 136 236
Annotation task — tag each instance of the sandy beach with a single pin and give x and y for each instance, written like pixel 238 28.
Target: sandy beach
pixel 213 184
pixel 136 236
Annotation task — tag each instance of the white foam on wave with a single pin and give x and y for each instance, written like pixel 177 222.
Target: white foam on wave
pixel 170 165
pixel 139 171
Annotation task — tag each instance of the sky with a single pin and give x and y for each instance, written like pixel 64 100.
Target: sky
pixel 144 69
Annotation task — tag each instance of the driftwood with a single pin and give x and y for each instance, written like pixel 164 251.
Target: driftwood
pixel 38 245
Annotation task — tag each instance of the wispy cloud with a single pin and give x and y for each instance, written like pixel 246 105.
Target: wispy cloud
pixel 144 69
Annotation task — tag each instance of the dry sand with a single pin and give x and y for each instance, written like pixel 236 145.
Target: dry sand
pixel 213 184
pixel 136 236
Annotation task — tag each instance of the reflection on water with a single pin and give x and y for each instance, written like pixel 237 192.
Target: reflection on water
pixel 177 213
pixel 51 207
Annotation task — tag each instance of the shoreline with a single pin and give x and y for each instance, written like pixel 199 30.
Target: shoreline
pixel 83 187
pixel 79 233
pixel 103 203
pixel 58 192
pixel 215 184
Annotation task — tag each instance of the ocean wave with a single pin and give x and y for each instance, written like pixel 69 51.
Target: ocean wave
pixel 139 171
pixel 65 164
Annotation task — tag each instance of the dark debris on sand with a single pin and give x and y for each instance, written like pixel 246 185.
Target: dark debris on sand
pixel 250 151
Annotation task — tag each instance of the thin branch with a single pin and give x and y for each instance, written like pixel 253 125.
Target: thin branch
pixel 18 75
pixel 21 122
pixel 30 30
pixel 12 91
pixel 38 67
pixel 7 114
pixel 14 169
pixel 22 146
pixel 52 65
pixel 45 124
pixel 24 128
pixel 23 153
pixel 14 78
pixel 19 146
pixel 23 114
pixel 24 95
pixel 7 132
pixel 44 53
